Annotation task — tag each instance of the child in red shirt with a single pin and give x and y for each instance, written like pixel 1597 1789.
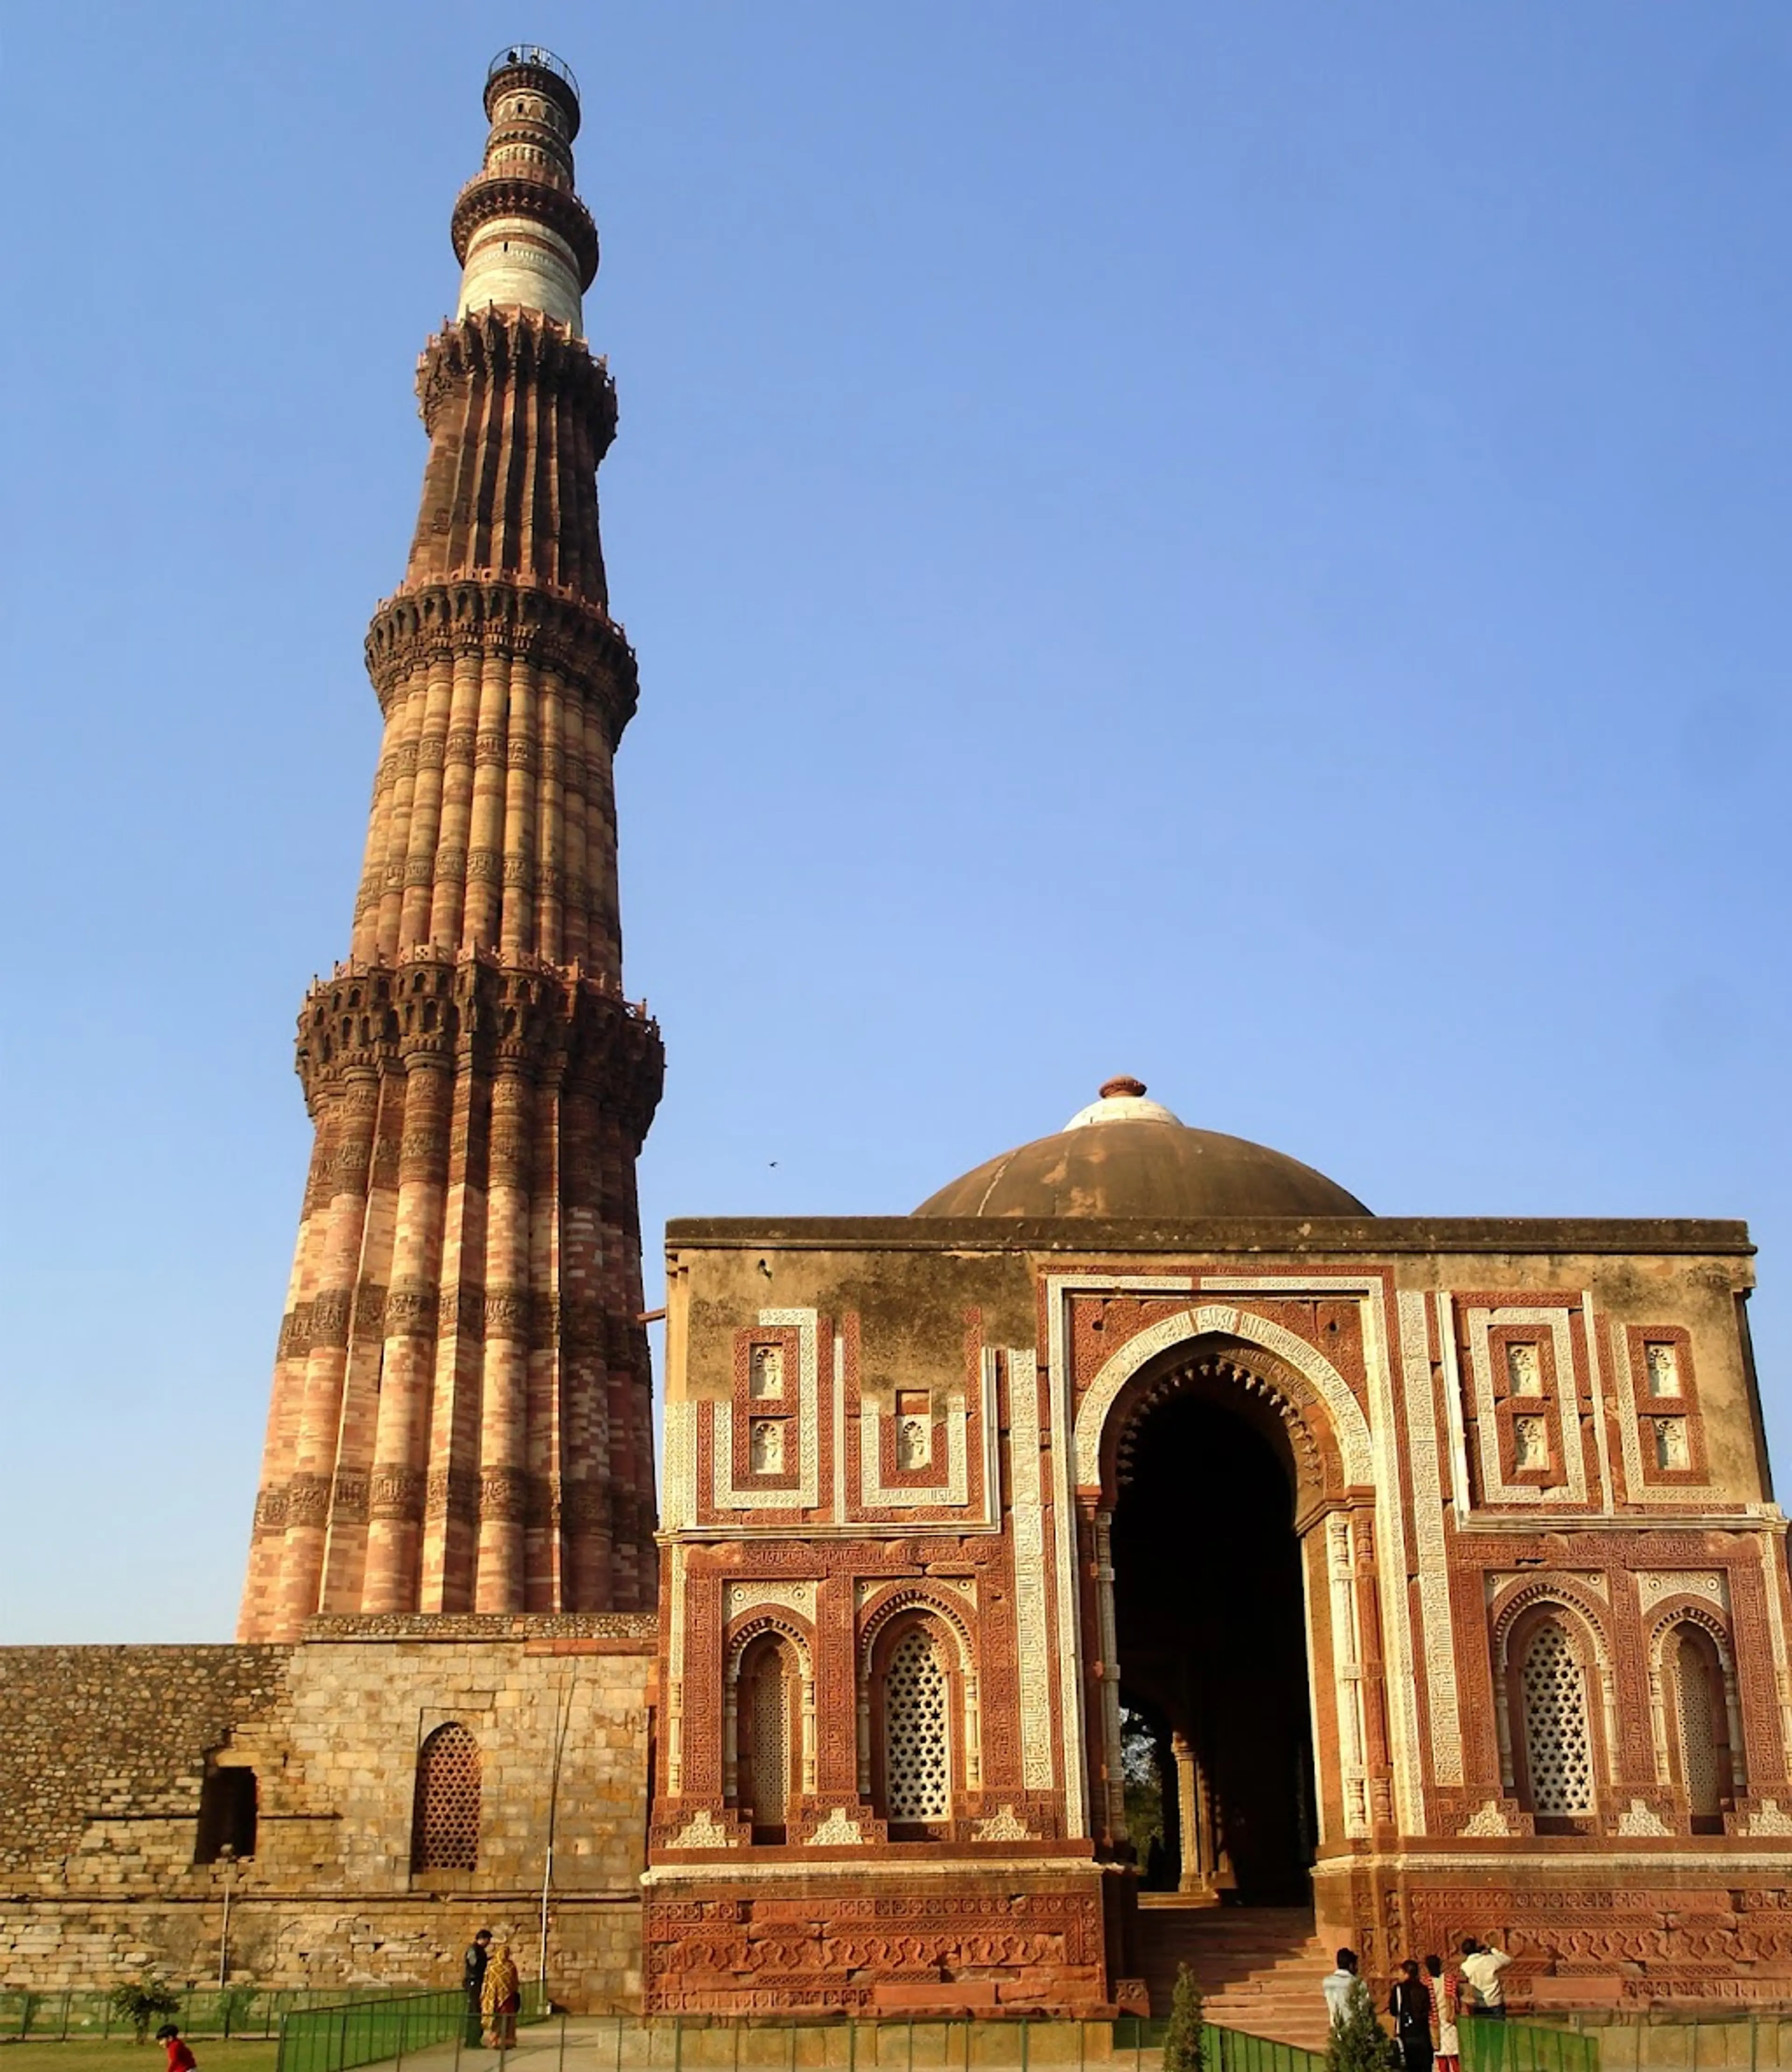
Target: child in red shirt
pixel 180 2056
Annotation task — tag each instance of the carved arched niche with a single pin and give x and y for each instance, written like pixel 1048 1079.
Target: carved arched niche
pixel 768 1719
pixel 1253 1385
pixel 1312 1424
pixel 1695 1711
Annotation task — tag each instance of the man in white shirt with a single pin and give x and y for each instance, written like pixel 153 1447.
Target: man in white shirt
pixel 1481 1968
pixel 1336 1985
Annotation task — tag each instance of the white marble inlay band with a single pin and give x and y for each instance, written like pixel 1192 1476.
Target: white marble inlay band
pixel 1436 1635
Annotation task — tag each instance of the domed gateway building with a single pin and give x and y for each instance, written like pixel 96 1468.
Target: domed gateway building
pixel 1144 1550
pixel 1141 1550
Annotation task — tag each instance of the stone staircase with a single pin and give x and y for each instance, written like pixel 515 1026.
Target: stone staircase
pixel 1259 1968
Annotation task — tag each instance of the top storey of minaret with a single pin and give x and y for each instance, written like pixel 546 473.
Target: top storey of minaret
pixel 524 238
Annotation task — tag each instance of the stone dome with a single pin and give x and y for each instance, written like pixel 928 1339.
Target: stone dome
pixel 1125 1156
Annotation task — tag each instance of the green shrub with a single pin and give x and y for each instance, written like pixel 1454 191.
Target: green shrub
pixel 1358 2042
pixel 143 2001
pixel 1182 2040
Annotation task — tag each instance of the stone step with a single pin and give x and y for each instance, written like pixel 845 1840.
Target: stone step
pixel 1260 1969
pixel 1217 1970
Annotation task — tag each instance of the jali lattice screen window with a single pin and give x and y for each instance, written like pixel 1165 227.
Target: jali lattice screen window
pixel 916 1730
pixel 445 1826
pixel 1558 1751
pixel 1696 1702
pixel 767 1710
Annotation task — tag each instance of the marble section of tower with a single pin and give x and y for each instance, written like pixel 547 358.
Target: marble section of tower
pixel 461 1419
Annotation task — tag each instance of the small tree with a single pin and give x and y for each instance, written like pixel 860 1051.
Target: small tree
pixel 1358 2042
pixel 143 2001
pixel 1183 2050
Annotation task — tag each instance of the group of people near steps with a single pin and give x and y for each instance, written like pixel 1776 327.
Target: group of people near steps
pixel 1428 2002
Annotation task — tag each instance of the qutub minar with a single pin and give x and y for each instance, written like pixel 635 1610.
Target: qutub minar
pixel 462 1407
pixel 1141 1551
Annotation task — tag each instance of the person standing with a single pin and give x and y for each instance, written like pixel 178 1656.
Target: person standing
pixel 502 1999
pixel 1447 1994
pixel 1410 2005
pixel 472 1982
pixel 1337 1986
pixel 1481 1968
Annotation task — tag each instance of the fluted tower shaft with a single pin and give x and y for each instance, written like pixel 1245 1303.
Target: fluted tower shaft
pixel 462 1408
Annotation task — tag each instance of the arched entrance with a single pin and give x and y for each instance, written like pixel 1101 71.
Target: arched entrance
pixel 1211 1634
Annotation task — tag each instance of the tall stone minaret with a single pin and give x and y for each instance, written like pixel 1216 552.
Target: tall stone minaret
pixel 462 1402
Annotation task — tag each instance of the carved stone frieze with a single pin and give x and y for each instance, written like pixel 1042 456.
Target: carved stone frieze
pixel 396 1493
pixel 1043 1948
pixel 452 1493
pixel 1653 1585
pixel 348 1495
pixel 1003 1826
pixel 308 1500
pixel 797 1597
pixel 411 1309
pixel 329 1318
pixel 703 1830
pixel 504 1494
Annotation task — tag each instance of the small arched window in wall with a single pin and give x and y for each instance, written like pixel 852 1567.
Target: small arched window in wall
pixel 766 1724
pixel 445 1824
pixel 1558 1742
pixel 916 1730
pixel 1700 1717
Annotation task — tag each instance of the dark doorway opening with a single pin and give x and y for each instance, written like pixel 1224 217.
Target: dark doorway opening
pixel 1209 1618
pixel 227 1814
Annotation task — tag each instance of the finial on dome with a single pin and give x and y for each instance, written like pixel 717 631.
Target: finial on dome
pixel 1122 1100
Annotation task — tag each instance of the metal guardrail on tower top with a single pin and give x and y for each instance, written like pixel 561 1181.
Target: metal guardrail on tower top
pixel 532 53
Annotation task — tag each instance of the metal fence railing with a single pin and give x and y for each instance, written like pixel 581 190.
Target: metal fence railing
pixel 363 2032
pixel 243 2010
pixel 898 2043
pixel 1525 2046
pixel 1674 2038
pixel 1232 2050
pixel 1015 2043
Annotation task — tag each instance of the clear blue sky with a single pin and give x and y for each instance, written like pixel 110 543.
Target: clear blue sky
pixel 1243 543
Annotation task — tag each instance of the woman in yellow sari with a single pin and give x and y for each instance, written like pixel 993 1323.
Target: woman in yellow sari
pixel 501 1999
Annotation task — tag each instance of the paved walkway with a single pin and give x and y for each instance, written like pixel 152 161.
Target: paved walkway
pixel 599 2043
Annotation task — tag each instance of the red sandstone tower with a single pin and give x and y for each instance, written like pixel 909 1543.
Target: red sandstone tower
pixel 462 1412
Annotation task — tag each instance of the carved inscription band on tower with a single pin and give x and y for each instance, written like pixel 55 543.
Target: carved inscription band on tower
pixel 462 1414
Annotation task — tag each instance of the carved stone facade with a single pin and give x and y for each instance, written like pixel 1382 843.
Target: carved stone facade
pixel 462 1408
pixel 1546 1689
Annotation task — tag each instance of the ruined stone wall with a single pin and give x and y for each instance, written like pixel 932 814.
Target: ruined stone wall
pixel 100 1823
pixel 106 1747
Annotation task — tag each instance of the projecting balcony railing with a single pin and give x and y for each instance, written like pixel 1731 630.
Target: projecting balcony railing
pixel 532 53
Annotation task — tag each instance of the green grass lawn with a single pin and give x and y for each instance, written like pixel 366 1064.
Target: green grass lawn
pixel 83 2055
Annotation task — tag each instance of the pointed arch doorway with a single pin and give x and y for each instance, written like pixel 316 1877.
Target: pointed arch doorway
pixel 1209 1630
